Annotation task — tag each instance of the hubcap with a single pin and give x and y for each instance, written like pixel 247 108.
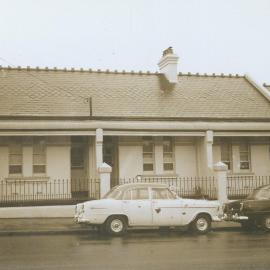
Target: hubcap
pixel 117 225
pixel 202 224
pixel 267 222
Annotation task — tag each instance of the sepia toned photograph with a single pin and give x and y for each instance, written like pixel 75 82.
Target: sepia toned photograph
pixel 134 135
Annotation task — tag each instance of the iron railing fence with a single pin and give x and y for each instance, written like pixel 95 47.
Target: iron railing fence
pixel 186 187
pixel 16 192
pixel 239 186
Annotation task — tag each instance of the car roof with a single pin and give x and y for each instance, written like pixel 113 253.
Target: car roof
pixel 263 187
pixel 135 185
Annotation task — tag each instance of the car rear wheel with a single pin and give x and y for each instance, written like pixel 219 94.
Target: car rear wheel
pixel 201 224
pixel 266 223
pixel 116 225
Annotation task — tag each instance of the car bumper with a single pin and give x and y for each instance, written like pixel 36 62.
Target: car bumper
pixel 234 217
pixel 80 220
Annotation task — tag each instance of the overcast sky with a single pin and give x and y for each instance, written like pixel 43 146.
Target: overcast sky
pixel 229 36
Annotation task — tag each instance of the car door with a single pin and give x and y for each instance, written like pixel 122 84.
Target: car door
pixel 166 208
pixel 136 205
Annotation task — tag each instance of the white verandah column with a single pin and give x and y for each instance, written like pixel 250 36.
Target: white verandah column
pixel 99 147
pixel 208 144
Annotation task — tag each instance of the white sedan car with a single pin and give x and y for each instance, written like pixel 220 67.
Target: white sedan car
pixel 146 204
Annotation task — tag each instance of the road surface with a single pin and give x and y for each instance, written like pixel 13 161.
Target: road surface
pixel 228 250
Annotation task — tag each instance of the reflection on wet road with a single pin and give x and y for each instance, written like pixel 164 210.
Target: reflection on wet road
pixel 138 250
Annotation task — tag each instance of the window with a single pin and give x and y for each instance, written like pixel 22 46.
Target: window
pixel 244 152
pixel 140 194
pixel 39 155
pixel 226 154
pixel 162 194
pixel 15 156
pixel 148 155
pixel 168 164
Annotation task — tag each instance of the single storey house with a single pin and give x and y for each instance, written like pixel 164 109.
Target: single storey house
pixel 63 123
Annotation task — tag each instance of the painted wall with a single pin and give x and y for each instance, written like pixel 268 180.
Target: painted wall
pixel 216 153
pixel 58 162
pixel 260 159
pixel 130 161
pixel 3 162
pixel 185 160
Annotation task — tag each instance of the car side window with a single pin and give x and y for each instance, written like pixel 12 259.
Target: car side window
pixel 162 194
pixel 127 195
pixel 140 194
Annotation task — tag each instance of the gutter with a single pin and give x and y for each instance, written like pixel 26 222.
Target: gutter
pixel 17 125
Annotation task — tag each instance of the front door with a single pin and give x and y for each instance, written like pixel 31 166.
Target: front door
pixel 79 181
pixel 110 156
pixel 166 209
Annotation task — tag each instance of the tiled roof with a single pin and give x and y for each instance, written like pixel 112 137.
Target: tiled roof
pixel 55 93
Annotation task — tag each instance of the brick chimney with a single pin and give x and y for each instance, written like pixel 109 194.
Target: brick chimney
pixel 168 65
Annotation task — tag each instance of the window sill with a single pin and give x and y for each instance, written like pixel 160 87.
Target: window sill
pixel 12 179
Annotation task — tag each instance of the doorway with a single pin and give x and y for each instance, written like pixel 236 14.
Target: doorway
pixel 110 156
pixel 79 173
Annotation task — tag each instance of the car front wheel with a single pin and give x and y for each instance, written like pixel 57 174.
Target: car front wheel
pixel 266 223
pixel 201 224
pixel 116 225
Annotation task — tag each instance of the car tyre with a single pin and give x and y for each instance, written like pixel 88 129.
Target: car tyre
pixel 265 223
pixel 116 225
pixel 201 224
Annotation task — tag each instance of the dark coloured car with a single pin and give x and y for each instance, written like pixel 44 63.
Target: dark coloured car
pixel 254 211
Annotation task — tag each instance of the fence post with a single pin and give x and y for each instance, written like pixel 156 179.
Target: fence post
pixel 220 170
pixel 105 178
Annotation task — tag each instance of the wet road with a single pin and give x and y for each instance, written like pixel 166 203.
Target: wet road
pixel 138 250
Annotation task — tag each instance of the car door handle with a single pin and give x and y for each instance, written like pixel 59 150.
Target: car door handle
pixel 157 210
pixel 139 206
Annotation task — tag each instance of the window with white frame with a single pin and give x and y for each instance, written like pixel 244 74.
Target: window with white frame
pixel 226 154
pixel 39 155
pixel 148 155
pixel 244 151
pixel 15 156
pixel 168 154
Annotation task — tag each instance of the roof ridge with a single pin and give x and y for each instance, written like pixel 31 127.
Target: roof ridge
pixel 108 71
pixel 261 89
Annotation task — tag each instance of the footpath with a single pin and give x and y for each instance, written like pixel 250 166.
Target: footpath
pixel 47 226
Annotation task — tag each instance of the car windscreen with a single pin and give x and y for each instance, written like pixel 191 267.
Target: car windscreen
pixel 114 193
